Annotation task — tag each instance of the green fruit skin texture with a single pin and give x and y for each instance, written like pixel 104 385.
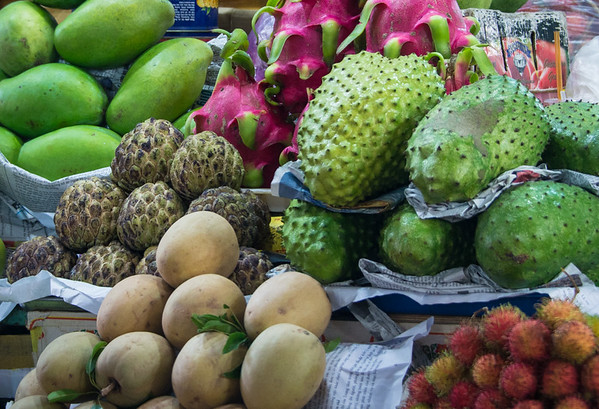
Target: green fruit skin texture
pixel 26 37
pixel 60 4
pixel 10 145
pixel 48 97
pixel 533 230
pixel 328 245
pixel 69 151
pixel 414 246
pixel 111 33
pixel 507 6
pixel 473 135
pixel 574 138
pixel 162 83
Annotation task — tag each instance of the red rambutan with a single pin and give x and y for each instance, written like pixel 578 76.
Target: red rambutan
pixel 466 343
pixel 498 322
pixel 442 403
pixel 529 404
pixel 573 341
pixel 560 378
pixel 462 395
pixel 486 369
pixel 420 389
pixel 491 399
pixel 572 402
pixel 553 311
pixel 444 372
pixel 529 340
pixel 414 404
pixel 518 380
pixel 589 376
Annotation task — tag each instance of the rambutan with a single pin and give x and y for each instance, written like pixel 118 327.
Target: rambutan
pixel 559 379
pixel 529 340
pixel 518 380
pixel 572 402
pixel 444 372
pixel 491 399
pixel 414 404
pixel 573 341
pixel 529 404
pixel 442 403
pixel 498 322
pixel 589 376
pixel 486 370
pixel 466 343
pixel 593 322
pixel 420 389
pixel 553 311
pixel 463 394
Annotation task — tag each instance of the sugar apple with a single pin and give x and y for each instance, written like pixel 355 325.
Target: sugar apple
pixel 147 264
pixel 105 265
pixel 251 269
pixel 145 153
pixel 87 212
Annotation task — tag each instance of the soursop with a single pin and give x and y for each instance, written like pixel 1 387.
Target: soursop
pixel 251 269
pixel 574 138
pixel 327 245
pixel 87 212
pixel 105 265
pixel 533 230
pixel 473 135
pixel 353 134
pixel 414 246
pixel 205 160
pixel 244 210
pixel 147 213
pixel 37 254
pixel 145 153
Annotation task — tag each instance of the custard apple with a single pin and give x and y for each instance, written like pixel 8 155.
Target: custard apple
pixel 251 269
pixel 147 264
pixel 105 265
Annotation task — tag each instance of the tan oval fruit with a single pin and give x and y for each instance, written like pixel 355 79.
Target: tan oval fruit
pixel 133 367
pixel 232 406
pixel 162 402
pixel 203 294
pixel 133 304
pixel 61 365
pixel 198 373
pixel 291 297
pixel 29 385
pixel 90 404
pixel 198 243
pixel 285 355
pixel 36 402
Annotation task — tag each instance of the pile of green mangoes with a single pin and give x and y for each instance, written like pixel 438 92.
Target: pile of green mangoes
pixel 56 119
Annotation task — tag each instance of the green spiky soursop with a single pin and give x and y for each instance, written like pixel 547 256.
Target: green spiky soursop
pixel 574 138
pixel 533 230
pixel 328 245
pixel 472 136
pixel 353 134
pixel 414 246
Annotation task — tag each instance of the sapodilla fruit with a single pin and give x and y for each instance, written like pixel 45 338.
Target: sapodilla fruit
pixel 29 385
pixel 135 303
pixel 36 402
pixel 92 405
pixel 292 297
pixel 198 243
pixel 203 294
pixel 285 355
pixel 162 402
pixel 61 365
pixel 198 378
pixel 133 367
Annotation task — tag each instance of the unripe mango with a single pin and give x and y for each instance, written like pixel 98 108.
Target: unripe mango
pixel 10 144
pixel 69 151
pixel 48 97
pixel 162 83
pixel 60 4
pixel 26 37
pixel 111 33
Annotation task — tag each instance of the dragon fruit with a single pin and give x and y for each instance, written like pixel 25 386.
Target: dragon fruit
pixel 238 111
pixel 303 45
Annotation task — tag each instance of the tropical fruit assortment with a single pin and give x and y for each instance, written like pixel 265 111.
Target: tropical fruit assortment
pixel 506 359
pixel 198 344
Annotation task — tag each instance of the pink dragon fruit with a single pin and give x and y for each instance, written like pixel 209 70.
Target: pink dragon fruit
pixel 238 110
pixel 303 45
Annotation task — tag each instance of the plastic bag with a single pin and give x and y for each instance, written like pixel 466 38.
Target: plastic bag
pixel 583 83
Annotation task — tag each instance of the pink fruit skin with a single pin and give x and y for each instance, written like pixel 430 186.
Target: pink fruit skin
pixel 466 343
pixel 518 380
pixel 590 375
pixel 529 340
pixel 560 378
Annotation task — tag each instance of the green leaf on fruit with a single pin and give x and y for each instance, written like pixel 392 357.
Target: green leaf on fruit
pixel 68 395
pixel 235 341
pixel 90 367
pixel 331 345
pixel 234 374
pixel 227 323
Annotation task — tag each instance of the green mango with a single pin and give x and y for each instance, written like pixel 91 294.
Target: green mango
pixel 163 83
pixel 507 6
pixel 60 4
pixel 3 75
pixel 112 33
pixel 474 4
pixel 69 151
pixel 10 144
pixel 26 37
pixel 184 124
pixel 48 97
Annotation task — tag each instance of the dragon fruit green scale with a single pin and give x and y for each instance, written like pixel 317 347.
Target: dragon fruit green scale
pixel 353 134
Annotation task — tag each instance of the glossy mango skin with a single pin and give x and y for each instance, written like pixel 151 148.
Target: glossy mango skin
pixel 69 151
pixel 10 144
pixel 112 33
pixel 48 97
pixel 163 83
pixel 26 37
pixel 60 4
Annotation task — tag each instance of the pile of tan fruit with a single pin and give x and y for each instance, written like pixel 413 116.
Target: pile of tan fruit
pixel 189 340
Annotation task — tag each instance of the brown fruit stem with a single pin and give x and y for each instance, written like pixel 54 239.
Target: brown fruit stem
pixel 108 388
